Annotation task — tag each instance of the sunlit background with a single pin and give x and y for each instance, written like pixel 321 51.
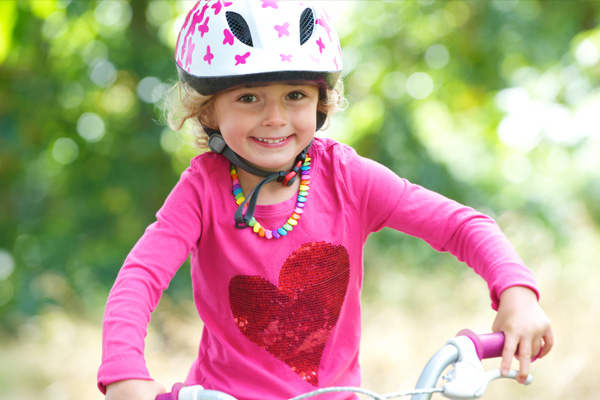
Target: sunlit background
pixel 493 103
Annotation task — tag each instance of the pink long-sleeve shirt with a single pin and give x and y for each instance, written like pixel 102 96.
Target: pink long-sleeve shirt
pixel 282 316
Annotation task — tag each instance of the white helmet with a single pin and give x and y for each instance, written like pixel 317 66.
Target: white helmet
pixel 223 44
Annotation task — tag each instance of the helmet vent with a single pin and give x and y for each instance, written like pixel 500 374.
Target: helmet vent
pixel 239 28
pixel 307 25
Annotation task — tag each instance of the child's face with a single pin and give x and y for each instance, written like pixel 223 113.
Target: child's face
pixel 268 125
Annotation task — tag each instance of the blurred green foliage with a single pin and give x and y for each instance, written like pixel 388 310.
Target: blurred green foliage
pixel 493 103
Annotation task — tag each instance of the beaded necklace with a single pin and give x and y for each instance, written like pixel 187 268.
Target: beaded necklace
pixel 298 209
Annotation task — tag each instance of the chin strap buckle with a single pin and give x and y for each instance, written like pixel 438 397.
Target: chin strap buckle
pixel 287 179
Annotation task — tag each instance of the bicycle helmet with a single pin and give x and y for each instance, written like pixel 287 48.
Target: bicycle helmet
pixel 224 44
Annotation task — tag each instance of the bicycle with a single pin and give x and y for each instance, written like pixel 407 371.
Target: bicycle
pixel 466 380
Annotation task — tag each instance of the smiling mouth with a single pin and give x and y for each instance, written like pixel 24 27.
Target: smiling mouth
pixel 272 141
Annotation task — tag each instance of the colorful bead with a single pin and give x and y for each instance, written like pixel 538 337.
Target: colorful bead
pixel 292 222
pixel 296 214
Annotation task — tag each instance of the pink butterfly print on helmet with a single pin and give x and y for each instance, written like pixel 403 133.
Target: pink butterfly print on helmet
pixel 225 44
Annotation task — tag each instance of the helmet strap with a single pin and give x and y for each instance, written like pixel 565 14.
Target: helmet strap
pixel 287 178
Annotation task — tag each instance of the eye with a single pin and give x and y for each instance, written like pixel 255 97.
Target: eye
pixel 296 95
pixel 247 98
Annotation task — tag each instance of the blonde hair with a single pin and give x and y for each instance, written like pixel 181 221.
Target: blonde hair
pixel 183 106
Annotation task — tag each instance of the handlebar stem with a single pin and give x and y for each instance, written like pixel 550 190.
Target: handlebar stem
pixel 434 368
pixel 466 378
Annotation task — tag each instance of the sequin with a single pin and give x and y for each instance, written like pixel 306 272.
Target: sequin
pixel 294 320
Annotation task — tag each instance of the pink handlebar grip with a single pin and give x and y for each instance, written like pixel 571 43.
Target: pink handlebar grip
pixel 489 345
pixel 174 393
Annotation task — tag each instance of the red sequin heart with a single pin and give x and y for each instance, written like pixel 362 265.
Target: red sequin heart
pixel 294 320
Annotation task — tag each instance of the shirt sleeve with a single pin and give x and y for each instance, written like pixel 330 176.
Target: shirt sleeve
pixel 382 199
pixel 145 274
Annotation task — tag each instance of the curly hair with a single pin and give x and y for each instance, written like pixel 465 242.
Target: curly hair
pixel 183 105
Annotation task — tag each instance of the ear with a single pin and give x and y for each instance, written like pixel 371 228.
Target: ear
pixel 208 122
pixel 208 113
pixel 207 119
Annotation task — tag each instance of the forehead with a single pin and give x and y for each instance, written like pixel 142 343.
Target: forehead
pixel 271 84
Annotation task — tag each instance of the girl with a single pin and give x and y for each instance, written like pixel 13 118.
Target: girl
pixel 275 220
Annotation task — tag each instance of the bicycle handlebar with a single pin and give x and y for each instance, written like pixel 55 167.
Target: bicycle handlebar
pixel 489 345
pixel 467 380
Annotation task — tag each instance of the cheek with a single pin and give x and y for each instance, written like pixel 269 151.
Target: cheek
pixel 307 119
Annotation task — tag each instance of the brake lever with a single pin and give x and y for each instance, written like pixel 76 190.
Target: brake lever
pixel 495 374
pixel 468 379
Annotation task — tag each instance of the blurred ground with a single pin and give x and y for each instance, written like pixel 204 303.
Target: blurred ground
pixel 55 356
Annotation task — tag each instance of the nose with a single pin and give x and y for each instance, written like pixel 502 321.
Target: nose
pixel 275 114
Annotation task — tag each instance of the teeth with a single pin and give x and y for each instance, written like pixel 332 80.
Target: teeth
pixel 270 141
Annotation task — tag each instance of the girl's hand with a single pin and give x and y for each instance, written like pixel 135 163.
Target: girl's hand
pixel 526 329
pixel 134 389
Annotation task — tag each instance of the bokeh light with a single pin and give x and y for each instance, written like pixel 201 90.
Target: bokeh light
pixel 90 126
pixel 419 85
pixel 65 150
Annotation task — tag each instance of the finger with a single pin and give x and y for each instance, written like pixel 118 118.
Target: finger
pixel 548 343
pixel 524 356
pixel 536 349
pixel 508 353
